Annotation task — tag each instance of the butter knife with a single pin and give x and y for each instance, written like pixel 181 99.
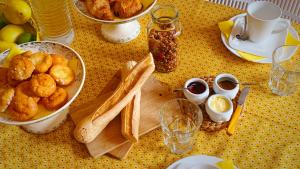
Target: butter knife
pixel 238 110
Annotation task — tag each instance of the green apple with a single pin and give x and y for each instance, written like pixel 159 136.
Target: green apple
pixel 25 37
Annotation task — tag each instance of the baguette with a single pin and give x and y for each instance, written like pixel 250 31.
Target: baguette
pixel 131 119
pixel 130 115
pixel 89 127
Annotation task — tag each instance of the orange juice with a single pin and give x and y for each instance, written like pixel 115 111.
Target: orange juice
pixel 52 17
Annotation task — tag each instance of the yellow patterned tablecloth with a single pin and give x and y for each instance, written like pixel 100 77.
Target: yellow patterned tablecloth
pixel 268 135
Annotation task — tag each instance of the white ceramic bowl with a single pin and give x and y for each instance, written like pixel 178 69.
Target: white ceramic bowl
pixel 82 9
pixel 53 120
pixel 219 116
pixel 119 30
pixel 229 93
pixel 196 98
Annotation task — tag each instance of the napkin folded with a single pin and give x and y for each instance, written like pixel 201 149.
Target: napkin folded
pixel 226 28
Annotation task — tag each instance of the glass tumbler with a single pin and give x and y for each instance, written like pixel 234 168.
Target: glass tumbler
pixel 53 20
pixel 285 72
pixel 180 119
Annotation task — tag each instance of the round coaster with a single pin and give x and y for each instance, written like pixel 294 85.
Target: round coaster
pixel 208 124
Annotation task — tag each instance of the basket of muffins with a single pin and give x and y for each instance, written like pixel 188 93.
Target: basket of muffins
pixel 217 96
pixel 37 81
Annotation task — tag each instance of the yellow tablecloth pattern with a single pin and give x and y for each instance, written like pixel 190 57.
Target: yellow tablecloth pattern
pixel 267 136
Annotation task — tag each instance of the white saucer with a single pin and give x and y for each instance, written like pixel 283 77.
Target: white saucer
pixel 196 162
pixel 264 48
pixel 266 60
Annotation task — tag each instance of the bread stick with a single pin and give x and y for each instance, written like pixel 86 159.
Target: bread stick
pixel 131 119
pixel 89 127
pixel 130 115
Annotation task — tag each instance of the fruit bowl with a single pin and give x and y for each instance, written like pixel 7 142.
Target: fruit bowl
pixel 45 121
pixel 118 30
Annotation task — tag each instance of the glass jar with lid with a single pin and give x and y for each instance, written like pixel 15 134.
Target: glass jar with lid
pixel 163 31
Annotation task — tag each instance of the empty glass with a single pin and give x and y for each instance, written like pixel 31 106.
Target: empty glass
pixel 180 119
pixel 285 72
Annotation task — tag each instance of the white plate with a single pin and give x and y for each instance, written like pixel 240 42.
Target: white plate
pixel 291 29
pixel 73 89
pixel 81 8
pixel 197 162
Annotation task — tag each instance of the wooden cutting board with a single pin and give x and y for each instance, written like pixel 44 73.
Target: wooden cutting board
pixel 110 140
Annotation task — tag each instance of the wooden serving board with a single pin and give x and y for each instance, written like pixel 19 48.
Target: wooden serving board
pixel 110 140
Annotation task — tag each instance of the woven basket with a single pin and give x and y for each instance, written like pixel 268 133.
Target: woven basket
pixel 208 124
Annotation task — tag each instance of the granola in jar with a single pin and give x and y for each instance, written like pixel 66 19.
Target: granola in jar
pixel 163 46
pixel 163 31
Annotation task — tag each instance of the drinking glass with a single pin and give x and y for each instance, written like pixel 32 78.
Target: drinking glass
pixel 53 20
pixel 180 119
pixel 285 72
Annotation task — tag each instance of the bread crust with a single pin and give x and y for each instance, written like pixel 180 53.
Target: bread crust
pixel 130 115
pixel 89 127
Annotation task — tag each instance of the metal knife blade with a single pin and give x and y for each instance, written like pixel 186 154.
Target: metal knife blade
pixel 243 95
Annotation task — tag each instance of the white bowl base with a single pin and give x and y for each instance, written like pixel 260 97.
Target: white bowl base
pixel 121 33
pixel 47 125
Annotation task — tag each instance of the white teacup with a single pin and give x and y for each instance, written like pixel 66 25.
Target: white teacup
pixel 263 19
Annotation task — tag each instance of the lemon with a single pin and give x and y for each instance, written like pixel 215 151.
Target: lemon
pixel 25 37
pixel 17 11
pixel 10 33
pixel 14 50
pixel 6 45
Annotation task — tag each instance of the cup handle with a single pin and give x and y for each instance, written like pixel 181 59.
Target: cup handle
pixel 281 25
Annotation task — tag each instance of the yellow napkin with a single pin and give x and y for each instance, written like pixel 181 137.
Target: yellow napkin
pixel 226 27
pixel 226 164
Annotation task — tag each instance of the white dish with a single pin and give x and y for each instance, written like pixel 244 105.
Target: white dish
pixel 215 116
pixel 196 98
pixel 118 30
pixel 81 8
pixel 229 93
pixel 197 162
pixel 291 29
pixel 51 121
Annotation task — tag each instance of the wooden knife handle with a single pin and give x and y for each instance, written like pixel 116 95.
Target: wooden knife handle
pixel 234 119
